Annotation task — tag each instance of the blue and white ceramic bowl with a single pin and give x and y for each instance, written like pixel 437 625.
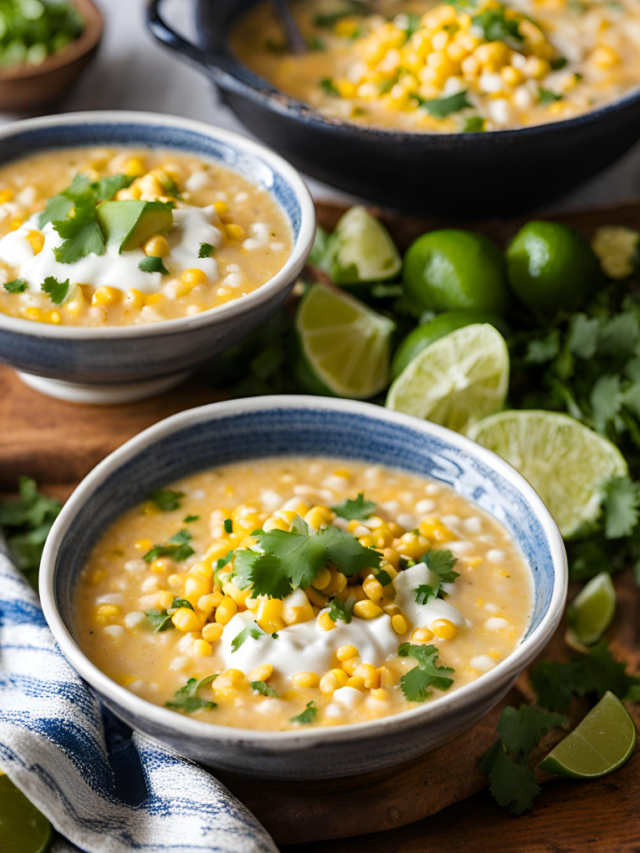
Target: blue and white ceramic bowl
pixel 304 426
pixel 122 363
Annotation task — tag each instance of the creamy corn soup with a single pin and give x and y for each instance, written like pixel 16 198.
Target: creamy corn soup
pixel 97 237
pixel 278 594
pixel 415 65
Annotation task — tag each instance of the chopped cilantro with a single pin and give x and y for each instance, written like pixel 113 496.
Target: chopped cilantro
pixel 474 124
pixel 263 687
pixel 513 784
pixel 355 509
pixel 18 285
pixel 57 290
pixel 442 563
pixel 558 63
pixel 180 603
pixel 190 518
pixel 307 716
pixel 546 96
pixel 81 234
pixel 253 631
pixel 496 26
pixel 328 87
pixel 160 620
pixel 416 681
pixel 186 699
pixel 177 552
pixel 339 610
pixel 166 499
pixel 424 593
pixel 383 577
pixel 314 43
pixel 442 107
pixel 26 523
pixel 206 250
pixel 153 264
pixel 182 537
pixel 290 560
pixel 106 188
pixel 228 525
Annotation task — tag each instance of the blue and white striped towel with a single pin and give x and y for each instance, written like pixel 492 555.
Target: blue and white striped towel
pixel 103 788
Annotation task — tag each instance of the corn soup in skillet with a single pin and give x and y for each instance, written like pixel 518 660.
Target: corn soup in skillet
pixel 115 237
pixel 414 65
pixel 279 593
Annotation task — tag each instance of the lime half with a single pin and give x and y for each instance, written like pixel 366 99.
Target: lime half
pixel 361 250
pixel 455 380
pixel 23 829
pixel 591 611
pixel 567 464
pixel 344 346
pixel 602 743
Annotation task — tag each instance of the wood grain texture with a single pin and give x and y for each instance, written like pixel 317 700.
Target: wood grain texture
pixel 433 804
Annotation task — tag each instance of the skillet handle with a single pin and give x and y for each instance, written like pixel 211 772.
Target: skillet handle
pixel 169 37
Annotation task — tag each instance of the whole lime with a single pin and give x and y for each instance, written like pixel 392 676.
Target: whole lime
pixel 454 270
pixel 551 268
pixel 431 331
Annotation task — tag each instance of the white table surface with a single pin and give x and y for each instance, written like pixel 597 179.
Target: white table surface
pixel 133 72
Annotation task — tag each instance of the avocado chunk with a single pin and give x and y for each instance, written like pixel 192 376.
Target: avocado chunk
pixel 128 224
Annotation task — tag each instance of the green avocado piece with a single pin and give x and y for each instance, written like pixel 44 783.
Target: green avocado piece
pixel 128 224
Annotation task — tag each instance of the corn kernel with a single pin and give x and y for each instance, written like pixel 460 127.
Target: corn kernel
pixel 421 635
pixel 186 620
pixel 325 622
pixel 234 232
pixel 604 57
pixel 166 599
pixel 388 678
pixel 305 679
pixel 195 587
pixel 106 296
pixel 221 207
pixel 337 583
pixel 107 611
pixel 233 674
pixel 357 682
pixel 36 239
pixel 381 694
pixel 444 629
pixel 212 632
pixel 156 247
pixel 316 597
pixel 201 649
pixel 345 652
pixel 162 564
pixel 322 579
pixel 374 589
pixel 366 610
pixel 132 193
pixel 193 276
pixel 33 313
pixel 226 610
pixel 134 299
pixel 328 683
pixel 175 581
pixel 6 195
pixel 143 545
pixel 350 665
pixel 369 675
pixel 399 624
pixel 261 673
pixel 134 168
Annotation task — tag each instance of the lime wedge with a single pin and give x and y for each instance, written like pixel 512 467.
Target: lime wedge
pixel 602 743
pixel 567 464
pixel 591 611
pixel 361 250
pixel 23 829
pixel 455 380
pixel 344 347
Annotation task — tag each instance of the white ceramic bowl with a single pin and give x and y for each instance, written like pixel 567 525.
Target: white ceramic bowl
pixel 202 438
pixel 122 363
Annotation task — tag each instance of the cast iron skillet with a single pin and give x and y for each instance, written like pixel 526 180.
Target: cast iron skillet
pixel 470 174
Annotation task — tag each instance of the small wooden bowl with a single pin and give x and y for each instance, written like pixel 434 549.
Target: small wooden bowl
pixel 27 87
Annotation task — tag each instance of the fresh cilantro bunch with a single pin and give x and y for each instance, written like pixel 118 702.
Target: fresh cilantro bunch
pixel 26 523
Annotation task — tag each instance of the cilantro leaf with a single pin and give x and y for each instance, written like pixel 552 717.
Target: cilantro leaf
pixel 153 264
pixel 346 553
pixel 182 537
pixel 57 207
pixel 521 729
pixel 424 593
pixel 442 563
pixel 206 250
pixel 329 87
pixel 621 507
pixel 253 631
pixel 263 687
pixel 180 603
pixel 160 620
pixel 496 26
pixel 106 188
pixel 228 525
pixel 177 552
pixel 339 610
pixel 81 234
pixel 513 785
pixel 166 499
pixel 307 716
pixel 26 523
pixel 189 518
pixel 186 698
pixel 546 96
pixel 355 509
pixel 18 285
pixel 474 124
pixel 383 578
pixel 442 107
pixel 57 290
pixel 583 335
pixel 416 681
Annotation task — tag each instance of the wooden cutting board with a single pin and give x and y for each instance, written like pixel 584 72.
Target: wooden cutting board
pixel 434 804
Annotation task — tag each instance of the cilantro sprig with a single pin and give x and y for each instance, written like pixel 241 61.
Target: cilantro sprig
pixel 355 509
pixel 177 548
pixel 206 250
pixel 166 499
pixel 153 264
pixel 18 285
pixel 263 688
pixel 307 716
pixel 338 610
pixel 416 682
pixel 250 632
pixel 57 290
pixel 186 698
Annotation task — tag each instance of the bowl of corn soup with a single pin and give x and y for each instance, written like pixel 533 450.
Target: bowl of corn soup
pixel 301 587
pixel 134 246
pixel 430 106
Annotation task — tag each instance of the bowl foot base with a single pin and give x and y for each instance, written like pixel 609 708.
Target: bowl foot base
pixel 102 395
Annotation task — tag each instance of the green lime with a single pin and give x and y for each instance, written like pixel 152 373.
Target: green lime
pixel 360 250
pixel 23 829
pixel 568 464
pixel 453 270
pixel 455 380
pixel 344 346
pixel 591 611
pixel 551 268
pixel 602 743
pixel 434 329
